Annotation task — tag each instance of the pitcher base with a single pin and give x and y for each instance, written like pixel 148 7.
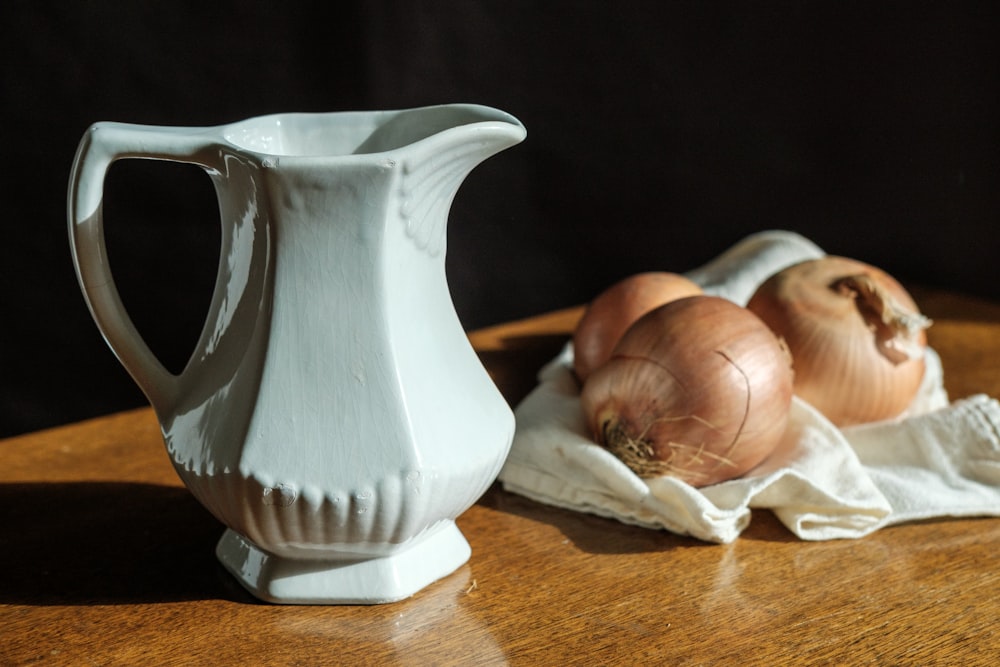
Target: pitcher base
pixel 370 581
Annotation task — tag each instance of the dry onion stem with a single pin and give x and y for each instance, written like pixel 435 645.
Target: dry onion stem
pixel 698 389
pixel 856 337
pixel 898 329
pixel 615 309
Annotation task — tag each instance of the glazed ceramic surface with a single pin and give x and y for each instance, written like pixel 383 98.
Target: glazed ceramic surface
pixel 333 414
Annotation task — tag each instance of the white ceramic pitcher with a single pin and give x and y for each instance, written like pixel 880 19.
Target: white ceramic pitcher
pixel 333 414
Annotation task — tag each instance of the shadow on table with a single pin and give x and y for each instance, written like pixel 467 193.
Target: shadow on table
pixel 108 543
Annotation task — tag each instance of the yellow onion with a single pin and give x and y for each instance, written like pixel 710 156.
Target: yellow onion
pixel 698 389
pixel 855 334
pixel 615 309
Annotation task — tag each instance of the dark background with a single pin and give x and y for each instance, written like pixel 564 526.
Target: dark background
pixel 659 133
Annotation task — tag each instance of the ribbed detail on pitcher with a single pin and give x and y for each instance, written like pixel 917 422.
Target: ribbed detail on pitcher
pixel 305 522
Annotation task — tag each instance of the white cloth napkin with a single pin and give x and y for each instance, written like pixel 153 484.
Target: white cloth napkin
pixel 940 459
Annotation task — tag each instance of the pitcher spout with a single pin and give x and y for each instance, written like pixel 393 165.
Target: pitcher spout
pixel 491 129
pixel 445 144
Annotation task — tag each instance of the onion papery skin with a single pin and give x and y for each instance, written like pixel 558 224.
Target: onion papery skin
pixel 614 310
pixel 698 389
pixel 845 365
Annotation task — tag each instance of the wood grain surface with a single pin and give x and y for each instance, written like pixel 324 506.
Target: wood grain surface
pixel 105 559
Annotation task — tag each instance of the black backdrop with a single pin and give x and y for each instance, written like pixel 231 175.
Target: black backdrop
pixel 659 133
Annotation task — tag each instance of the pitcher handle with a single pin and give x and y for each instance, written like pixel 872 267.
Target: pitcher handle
pixel 103 144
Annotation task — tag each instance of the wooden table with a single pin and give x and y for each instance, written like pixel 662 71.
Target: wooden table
pixel 105 559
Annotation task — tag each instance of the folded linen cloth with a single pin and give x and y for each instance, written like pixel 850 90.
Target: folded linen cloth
pixel 821 482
